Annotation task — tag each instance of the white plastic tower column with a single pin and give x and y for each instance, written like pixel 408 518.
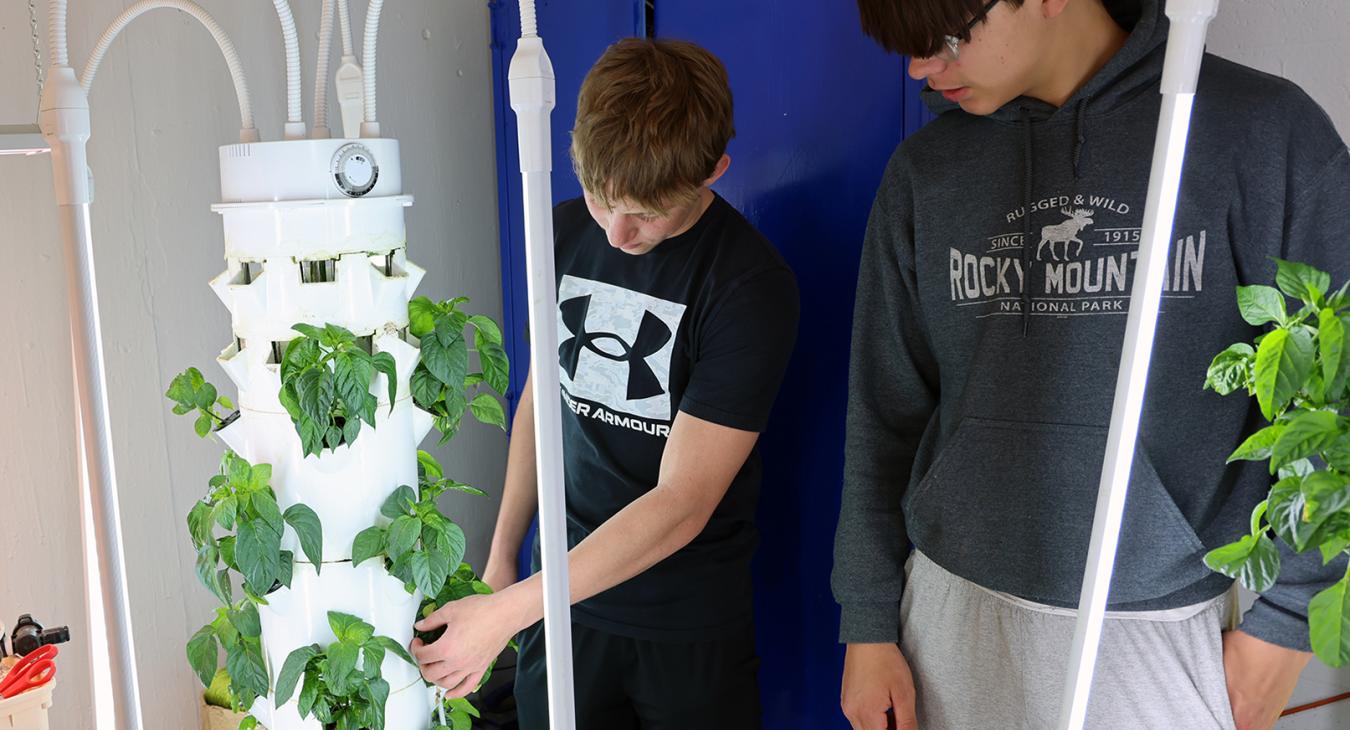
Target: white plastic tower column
pixel 1185 49
pixel 533 95
pixel 287 204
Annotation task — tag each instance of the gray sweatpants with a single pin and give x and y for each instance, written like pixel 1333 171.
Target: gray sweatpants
pixel 983 659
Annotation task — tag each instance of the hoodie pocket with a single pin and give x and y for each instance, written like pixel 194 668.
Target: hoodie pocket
pixel 1009 505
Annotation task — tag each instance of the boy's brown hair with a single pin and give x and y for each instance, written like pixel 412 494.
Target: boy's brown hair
pixel 653 118
pixel 917 27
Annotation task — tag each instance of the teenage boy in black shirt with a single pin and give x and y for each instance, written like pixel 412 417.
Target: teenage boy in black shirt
pixel 676 319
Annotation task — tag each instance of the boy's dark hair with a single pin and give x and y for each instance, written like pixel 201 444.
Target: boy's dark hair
pixel 917 27
pixel 653 119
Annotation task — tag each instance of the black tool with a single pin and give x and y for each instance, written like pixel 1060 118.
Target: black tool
pixel 29 636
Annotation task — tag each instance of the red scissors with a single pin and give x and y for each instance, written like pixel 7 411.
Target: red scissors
pixel 34 670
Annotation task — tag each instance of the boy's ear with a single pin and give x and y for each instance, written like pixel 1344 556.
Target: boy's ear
pixel 1053 8
pixel 719 170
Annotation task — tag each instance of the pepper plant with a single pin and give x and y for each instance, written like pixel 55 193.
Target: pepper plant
pixel 344 687
pixel 238 630
pixel 420 545
pixel 241 500
pixel 1299 372
pixel 190 392
pixel 442 384
pixel 325 385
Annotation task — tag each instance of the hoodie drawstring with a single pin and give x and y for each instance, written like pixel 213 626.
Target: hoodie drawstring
pixel 1027 179
pixel 1079 135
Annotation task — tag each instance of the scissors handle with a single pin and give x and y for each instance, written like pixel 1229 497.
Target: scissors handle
pixel 36 668
pixel 34 675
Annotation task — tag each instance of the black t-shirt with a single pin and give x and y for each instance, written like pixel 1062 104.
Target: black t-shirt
pixel 704 323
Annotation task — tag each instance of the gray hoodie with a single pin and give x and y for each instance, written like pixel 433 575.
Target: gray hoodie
pixel 992 298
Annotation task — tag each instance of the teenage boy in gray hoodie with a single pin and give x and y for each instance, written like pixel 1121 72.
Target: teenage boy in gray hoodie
pixel 992 295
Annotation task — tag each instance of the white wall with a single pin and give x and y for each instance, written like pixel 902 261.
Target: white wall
pixel 1304 41
pixel 162 104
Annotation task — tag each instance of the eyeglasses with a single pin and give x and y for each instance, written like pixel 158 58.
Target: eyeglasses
pixel 952 48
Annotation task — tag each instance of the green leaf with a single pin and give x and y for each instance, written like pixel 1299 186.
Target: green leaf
pixel 465 488
pixel 1305 435
pixel 1338 454
pixel 199 523
pixel 460 704
pixel 1231 369
pixel 257 549
pixel 203 655
pixel 1285 513
pixel 266 507
pixel 1283 362
pixel 368 543
pixel 1329 623
pixel 203 425
pixel 226 545
pixel 1261 304
pixel 287 562
pixel 1258 446
pixel 431 469
pixel 248 723
pixel 225 512
pixel 309 693
pixel 246 621
pixel 341 665
pixel 446 357
pixel 378 691
pixel 1324 493
pixel 1331 342
pixel 402 536
pixel 487 329
pixel 1333 547
pixel 292 670
pixel 399 502
pixel 424 570
pixel 208 558
pixel 1299 468
pixel 394 647
pixel 1301 281
pixel 309 530
pixel 496 366
pixel 421 317
pixel 343 625
pixel 426 389
pixel 488 410
pixel 384 362
pixel 1253 561
pixel 248 673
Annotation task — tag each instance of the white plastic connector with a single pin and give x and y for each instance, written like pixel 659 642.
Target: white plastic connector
pixel 350 82
pixel 533 96
pixel 64 120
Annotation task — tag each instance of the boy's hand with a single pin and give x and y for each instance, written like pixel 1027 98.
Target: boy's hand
pixel 1261 678
pixel 477 628
pixel 878 689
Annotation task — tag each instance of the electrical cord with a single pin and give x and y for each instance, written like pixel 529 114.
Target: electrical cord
pixel 247 133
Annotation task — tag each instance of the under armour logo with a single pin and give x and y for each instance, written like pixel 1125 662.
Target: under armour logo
pixel 653 334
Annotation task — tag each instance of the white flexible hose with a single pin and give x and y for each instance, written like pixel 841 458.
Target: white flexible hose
pixel 321 68
pixel 56 33
pixel 368 56
pixel 527 23
pixel 345 20
pixel 294 112
pixel 212 27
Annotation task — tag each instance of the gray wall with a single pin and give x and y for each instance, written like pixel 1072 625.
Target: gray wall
pixel 162 104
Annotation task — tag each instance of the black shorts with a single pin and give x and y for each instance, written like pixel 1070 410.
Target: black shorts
pixel 638 684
